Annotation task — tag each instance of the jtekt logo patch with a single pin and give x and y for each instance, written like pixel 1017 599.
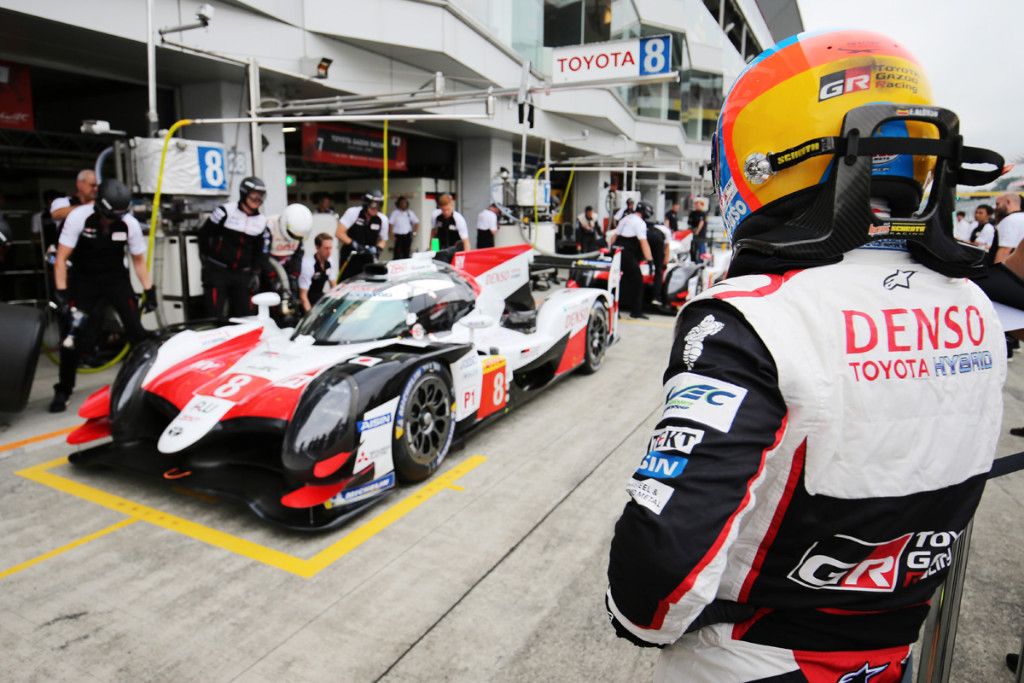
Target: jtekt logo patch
pixel 843 82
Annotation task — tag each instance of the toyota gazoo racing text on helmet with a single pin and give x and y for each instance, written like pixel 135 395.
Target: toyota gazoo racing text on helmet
pixel 821 124
pixel 251 184
pixel 113 199
pixel 297 220
pixel 373 198
pixel 645 210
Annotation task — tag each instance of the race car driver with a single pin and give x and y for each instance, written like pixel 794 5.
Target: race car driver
pixel 282 242
pixel 97 234
pixel 231 242
pixel 362 231
pixel 631 235
pixel 812 467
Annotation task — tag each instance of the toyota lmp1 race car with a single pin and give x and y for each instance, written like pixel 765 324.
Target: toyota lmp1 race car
pixel 310 426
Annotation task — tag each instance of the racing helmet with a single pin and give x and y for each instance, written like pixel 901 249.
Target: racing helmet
pixel 251 184
pixel 113 199
pixel 297 220
pixel 373 197
pixel 645 210
pixel 821 124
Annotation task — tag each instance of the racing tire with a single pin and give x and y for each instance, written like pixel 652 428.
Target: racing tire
pixel 597 339
pixel 21 335
pixel 424 423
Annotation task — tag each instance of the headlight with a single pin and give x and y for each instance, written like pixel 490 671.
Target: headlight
pixel 322 425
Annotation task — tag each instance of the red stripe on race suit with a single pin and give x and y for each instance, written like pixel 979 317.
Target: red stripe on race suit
pixel 96 428
pixel 179 383
pixel 796 468
pixel 741 627
pixel 479 261
pixel 877 666
pixel 97 405
pixel 776 282
pixel 575 352
pixel 691 578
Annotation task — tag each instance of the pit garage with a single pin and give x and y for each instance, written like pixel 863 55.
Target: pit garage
pixel 492 569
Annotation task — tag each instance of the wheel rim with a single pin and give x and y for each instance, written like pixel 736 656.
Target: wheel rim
pixel 429 418
pixel 597 337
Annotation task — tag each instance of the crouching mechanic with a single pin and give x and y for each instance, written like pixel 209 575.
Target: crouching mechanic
pixel 801 493
pixel 232 245
pixel 97 235
pixel 317 272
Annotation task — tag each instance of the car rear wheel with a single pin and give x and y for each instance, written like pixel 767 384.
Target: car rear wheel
pixel 597 339
pixel 425 423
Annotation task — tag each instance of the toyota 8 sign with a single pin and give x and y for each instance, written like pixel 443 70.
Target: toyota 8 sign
pixel 613 60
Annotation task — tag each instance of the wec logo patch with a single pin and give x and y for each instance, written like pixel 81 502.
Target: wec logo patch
pixel 703 399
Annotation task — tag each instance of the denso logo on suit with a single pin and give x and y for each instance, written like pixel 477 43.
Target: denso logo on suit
pixel 703 399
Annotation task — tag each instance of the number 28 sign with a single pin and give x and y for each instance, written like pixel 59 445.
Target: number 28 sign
pixel 612 60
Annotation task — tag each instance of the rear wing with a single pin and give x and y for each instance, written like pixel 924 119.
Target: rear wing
pixel 612 267
pixel 499 271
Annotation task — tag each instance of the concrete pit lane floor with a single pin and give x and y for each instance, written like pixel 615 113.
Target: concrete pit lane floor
pixel 497 572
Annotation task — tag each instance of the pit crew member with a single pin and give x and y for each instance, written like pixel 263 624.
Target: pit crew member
pixel 317 272
pixel 362 231
pixel 802 491
pixel 631 235
pixel 232 245
pixel 85 193
pixel 404 224
pixel 487 226
pixel 97 234
pixel 450 226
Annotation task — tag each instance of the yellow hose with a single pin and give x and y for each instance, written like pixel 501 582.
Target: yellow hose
pixel 156 196
pixel 565 195
pixel 536 177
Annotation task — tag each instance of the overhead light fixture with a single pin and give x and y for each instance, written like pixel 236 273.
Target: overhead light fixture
pixel 289 129
pixel 204 15
pixel 99 127
pixel 323 67
pixel 728 27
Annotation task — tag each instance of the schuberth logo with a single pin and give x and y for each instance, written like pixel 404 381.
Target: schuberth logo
pixel 844 82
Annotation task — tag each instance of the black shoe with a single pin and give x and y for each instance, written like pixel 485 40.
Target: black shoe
pixel 1012 661
pixel 639 316
pixel 1017 431
pixel 60 401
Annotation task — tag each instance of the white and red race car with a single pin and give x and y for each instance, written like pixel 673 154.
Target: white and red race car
pixel 308 426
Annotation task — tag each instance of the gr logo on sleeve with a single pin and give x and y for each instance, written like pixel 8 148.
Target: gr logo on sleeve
pixel 703 399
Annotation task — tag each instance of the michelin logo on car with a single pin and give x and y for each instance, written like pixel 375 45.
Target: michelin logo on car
pixel 703 399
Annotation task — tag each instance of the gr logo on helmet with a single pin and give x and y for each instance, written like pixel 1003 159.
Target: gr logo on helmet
pixel 842 82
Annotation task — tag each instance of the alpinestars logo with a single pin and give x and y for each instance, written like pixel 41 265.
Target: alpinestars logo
pixel 863 674
pixel 901 278
pixel 694 339
pixel 844 82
